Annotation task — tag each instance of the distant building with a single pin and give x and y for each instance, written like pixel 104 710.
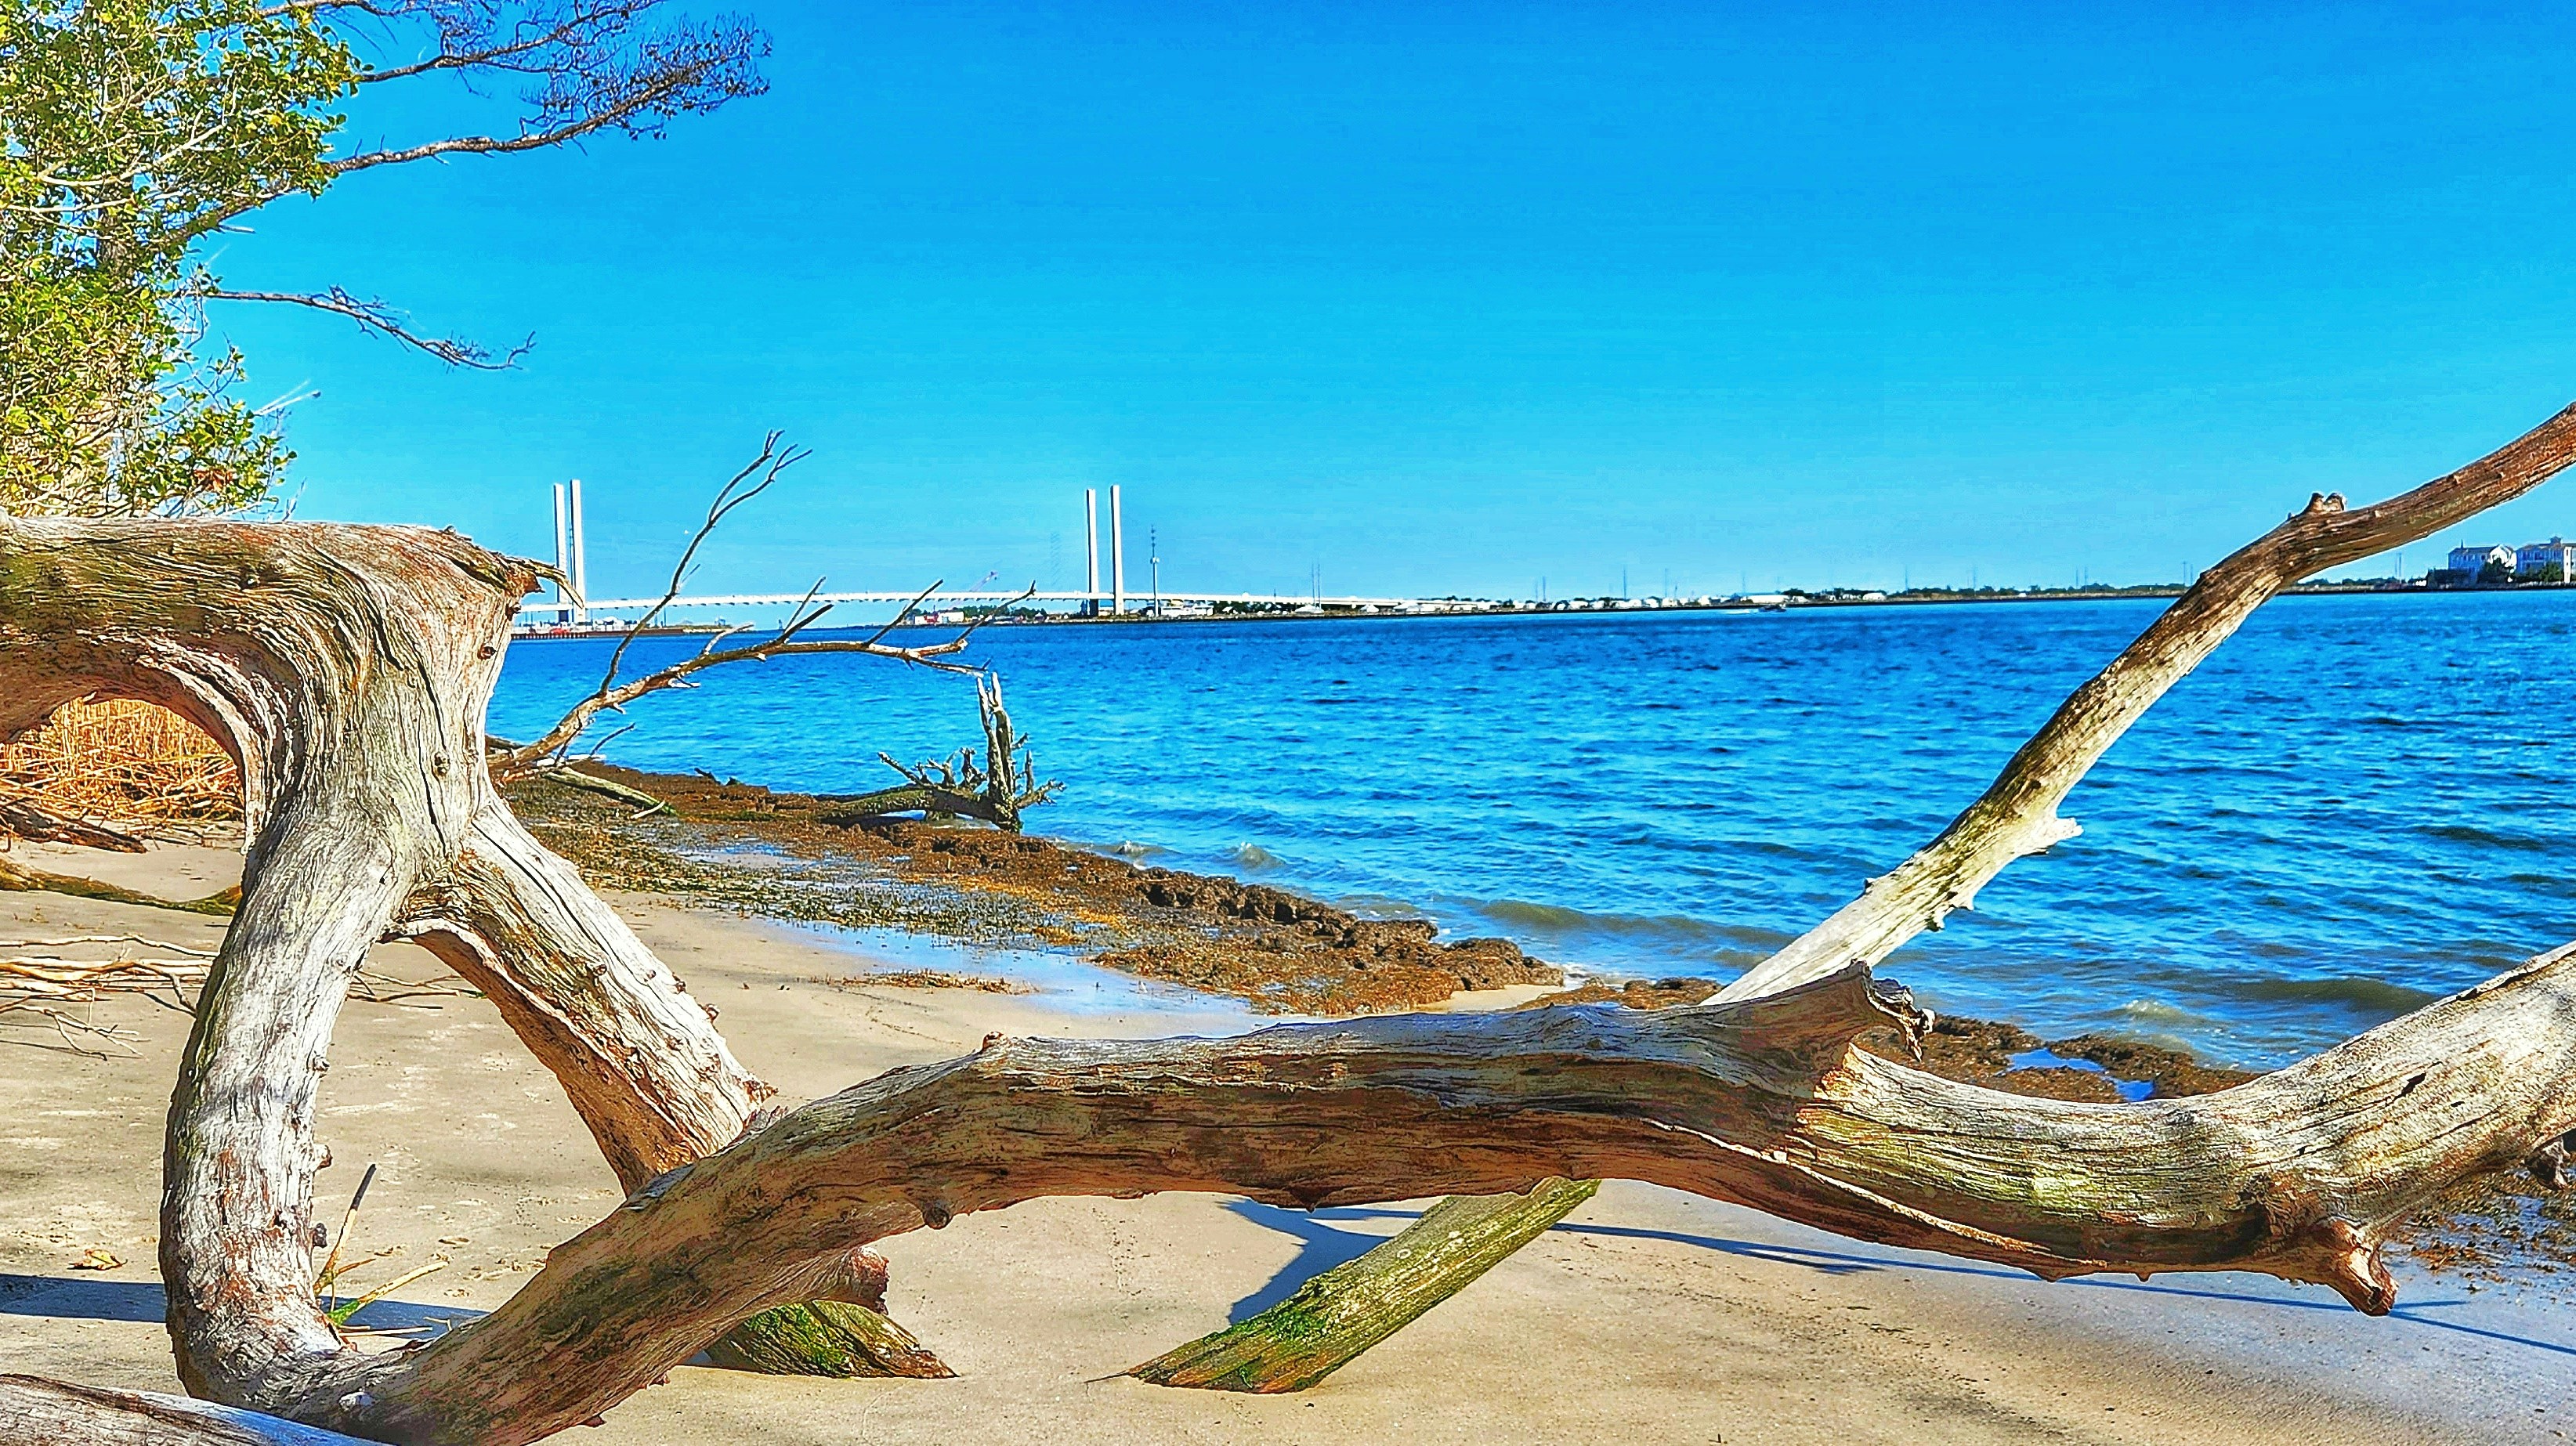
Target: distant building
pixel 2469 564
pixel 2554 560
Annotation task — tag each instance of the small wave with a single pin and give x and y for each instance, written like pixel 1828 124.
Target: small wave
pixel 1254 856
pixel 2160 1011
pixel 2371 994
pixel 1130 849
pixel 1558 919
pixel 2470 833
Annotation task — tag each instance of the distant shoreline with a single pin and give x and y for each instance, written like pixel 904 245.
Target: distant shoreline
pixel 1793 603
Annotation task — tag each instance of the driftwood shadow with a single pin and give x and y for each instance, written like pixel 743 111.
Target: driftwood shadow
pixel 142 1302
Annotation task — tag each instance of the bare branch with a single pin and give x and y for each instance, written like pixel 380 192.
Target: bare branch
pixel 2017 814
pixel 592 65
pixel 375 316
pixel 551 749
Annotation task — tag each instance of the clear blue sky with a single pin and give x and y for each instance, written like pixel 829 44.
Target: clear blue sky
pixel 1446 298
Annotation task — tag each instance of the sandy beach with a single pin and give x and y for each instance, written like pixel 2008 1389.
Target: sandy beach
pixel 1648 1315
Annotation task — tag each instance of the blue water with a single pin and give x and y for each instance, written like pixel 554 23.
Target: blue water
pixel 2359 804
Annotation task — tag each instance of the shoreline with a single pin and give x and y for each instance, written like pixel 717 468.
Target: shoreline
pixel 1282 955
pixel 1804 603
pixel 1682 1319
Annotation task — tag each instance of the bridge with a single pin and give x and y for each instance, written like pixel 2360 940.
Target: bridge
pixel 574 612
pixel 1105 602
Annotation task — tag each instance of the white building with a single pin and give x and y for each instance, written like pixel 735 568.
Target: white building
pixel 2532 557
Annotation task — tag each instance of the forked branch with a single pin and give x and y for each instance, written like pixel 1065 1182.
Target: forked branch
pixel 994 788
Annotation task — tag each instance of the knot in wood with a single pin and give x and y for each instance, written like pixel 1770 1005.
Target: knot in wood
pixel 2551 1163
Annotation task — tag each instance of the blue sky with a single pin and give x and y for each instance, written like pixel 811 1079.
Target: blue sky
pixel 1448 298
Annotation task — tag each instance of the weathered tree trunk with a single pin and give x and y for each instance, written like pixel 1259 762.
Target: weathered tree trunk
pixel 26 820
pixel 1332 1318
pixel 347 669
pixel 330 698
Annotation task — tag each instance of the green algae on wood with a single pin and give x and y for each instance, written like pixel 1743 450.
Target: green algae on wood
pixel 826 1338
pixel 1344 1311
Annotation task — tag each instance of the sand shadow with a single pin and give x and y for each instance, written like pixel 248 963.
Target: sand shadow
pixel 141 1302
pixel 1325 1247
pixel 1321 1247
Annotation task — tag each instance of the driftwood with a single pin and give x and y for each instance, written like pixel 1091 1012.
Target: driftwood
pixel 995 790
pixel 347 668
pixel 26 820
pixel 553 749
pixel 278 686
pixel 2017 815
pixel 16 877
pixel 1334 1317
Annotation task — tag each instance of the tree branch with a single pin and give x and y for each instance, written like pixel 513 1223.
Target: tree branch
pixel 2017 814
pixel 552 749
pixel 376 316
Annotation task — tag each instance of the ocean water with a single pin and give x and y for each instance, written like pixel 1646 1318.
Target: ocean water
pixel 2360 804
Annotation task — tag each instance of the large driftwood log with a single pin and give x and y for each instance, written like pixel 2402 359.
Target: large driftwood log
pixel 316 701
pixel 1765 1103
pixel 347 668
pixel 2017 815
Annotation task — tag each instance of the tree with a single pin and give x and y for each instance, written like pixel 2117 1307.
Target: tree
pixel 2496 573
pixel 347 668
pixel 133 131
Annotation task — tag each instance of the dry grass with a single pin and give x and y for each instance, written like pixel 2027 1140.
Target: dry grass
pixel 131 766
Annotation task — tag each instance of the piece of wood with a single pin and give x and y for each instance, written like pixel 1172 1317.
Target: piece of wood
pixel 28 821
pixel 1765 1103
pixel 826 1338
pixel 347 669
pixel 635 798
pixel 1334 1317
pixel 2017 815
pixel 38 1412
pixel 18 878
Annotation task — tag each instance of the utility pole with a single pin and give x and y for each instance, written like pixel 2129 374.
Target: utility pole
pixel 1154 566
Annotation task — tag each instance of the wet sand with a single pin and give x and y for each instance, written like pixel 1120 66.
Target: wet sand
pixel 1648 1315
